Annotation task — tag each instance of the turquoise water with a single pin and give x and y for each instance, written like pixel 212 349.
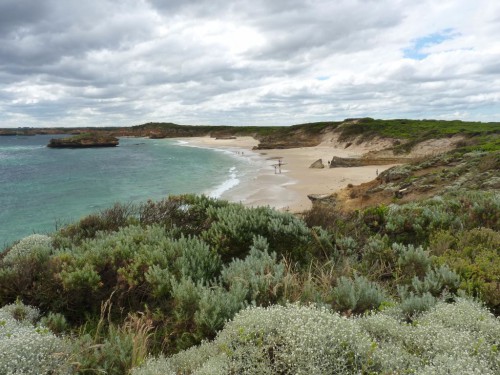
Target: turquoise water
pixel 42 187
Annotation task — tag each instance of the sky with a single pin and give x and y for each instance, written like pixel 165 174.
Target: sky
pixel 246 62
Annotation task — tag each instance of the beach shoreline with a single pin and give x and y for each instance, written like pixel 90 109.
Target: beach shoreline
pixel 289 188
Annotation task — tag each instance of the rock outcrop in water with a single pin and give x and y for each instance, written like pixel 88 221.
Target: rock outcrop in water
pixel 84 141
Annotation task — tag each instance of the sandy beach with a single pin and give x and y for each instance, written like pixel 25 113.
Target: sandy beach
pixel 288 190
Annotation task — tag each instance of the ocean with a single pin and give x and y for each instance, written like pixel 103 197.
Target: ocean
pixel 42 188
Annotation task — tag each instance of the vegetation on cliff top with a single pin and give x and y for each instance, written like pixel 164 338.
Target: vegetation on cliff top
pixel 479 135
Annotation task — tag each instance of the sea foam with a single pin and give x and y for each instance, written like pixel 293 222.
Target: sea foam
pixel 226 185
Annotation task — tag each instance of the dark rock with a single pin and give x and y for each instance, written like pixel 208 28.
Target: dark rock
pixel 317 164
pixel 401 193
pixel 394 174
pixel 84 141
pixel 322 198
pixel 337 162
pixel 157 136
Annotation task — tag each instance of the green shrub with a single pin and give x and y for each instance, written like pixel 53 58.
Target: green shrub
pixel 259 273
pixel 187 212
pixel 200 311
pixel 379 259
pixel 422 293
pixel 436 281
pixel 217 305
pixel 357 295
pixel 475 256
pixel 112 349
pixel 347 245
pixel 413 304
pixel 56 322
pixel 134 263
pixel 412 261
pixel 108 220
pixel 197 260
pixel 233 227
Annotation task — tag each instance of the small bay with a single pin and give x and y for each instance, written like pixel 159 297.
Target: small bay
pixel 41 188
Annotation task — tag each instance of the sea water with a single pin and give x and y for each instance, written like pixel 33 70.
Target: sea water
pixel 42 188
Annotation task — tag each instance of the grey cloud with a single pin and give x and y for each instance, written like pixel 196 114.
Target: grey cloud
pixel 15 14
pixel 66 29
pixel 104 61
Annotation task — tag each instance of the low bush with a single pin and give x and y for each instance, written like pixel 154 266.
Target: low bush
pixel 259 273
pixel 27 348
pixel 357 295
pixel 24 268
pixel 475 256
pixel 458 338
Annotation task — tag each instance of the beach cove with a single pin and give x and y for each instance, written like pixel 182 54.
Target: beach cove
pixel 289 189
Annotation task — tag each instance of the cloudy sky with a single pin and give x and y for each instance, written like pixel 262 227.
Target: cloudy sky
pixel 243 62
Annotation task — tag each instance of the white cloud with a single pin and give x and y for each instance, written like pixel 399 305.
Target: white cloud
pixel 104 62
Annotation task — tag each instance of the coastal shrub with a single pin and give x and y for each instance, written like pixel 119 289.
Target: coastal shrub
pixel 112 349
pixel 186 212
pixel 56 322
pixel 422 293
pixel 413 304
pixel 326 242
pixel 459 338
pixel 199 311
pixel 375 217
pixel 412 261
pixel 107 220
pixel 217 305
pixel 412 222
pixel 34 244
pixel 475 256
pixel 197 260
pixel 484 209
pixel 293 339
pixel 323 216
pixel 379 258
pixel 259 273
pixel 26 348
pixel 21 313
pixel 24 267
pixel 436 281
pixel 233 227
pixel 347 245
pixel 357 295
pixel 136 264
